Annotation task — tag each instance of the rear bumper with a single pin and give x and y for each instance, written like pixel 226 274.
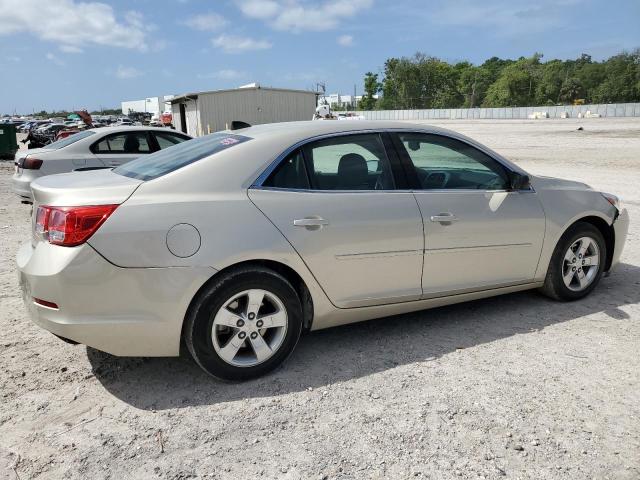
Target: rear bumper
pixel 121 311
pixel 621 228
pixel 21 186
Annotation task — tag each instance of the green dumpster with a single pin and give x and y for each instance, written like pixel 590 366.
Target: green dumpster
pixel 8 142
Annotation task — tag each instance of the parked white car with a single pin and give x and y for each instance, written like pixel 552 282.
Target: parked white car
pixel 89 150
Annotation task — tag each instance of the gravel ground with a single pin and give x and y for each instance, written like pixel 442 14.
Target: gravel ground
pixel 511 387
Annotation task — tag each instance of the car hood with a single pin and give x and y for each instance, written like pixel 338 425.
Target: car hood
pixel 95 187
pixel 552 183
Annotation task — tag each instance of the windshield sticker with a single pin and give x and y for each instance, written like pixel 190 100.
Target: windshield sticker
pixel 229 141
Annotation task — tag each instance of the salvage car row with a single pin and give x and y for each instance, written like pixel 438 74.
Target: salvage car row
pixel 91 149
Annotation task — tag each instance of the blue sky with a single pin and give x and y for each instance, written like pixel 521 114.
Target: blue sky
pixel 62 54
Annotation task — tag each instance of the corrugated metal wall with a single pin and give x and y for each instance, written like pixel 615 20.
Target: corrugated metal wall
pixel 609 110
pixel 193 126
pixel 175 117
pixel 254 106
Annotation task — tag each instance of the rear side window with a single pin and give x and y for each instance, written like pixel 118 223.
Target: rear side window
pixel 166 140
pixel 349 162
pixel 129 142
pixel 166 161
pixel 291 173
pixel 69 140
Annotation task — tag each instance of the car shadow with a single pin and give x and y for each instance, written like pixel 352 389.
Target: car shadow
pixel 357 350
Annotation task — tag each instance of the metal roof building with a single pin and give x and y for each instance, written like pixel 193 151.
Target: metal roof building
pixel 205 112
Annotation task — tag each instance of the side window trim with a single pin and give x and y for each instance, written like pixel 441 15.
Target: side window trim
pixel 397 168
pixel 154 146
pixel 409 168
pixel 306 162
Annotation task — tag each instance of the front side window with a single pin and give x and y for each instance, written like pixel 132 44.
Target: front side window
pixel 349 162
pixel 124 143
pixel 445 163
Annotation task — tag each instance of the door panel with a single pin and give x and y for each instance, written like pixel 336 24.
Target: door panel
pixel 495 239
pixel 364 248
pixel 478 232
pixel 116 159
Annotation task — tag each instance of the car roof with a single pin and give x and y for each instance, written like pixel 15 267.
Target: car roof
pixel 291 133
pixel 133 128
pixel 308 129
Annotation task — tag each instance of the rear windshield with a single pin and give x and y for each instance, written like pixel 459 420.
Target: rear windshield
pixel 172 158
pixel 69 140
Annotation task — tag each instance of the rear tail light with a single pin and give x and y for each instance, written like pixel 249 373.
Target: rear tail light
pixel 45 303
pixel 70 226
pixel 31 163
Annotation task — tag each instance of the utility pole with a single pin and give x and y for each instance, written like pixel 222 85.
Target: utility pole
pixel 355 100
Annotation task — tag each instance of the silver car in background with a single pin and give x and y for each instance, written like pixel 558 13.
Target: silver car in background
pixel 89 149
pixel 234 243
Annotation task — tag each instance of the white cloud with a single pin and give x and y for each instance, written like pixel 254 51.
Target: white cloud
pixel 262 9
pixel 52 58
pixel 237 44
pixel 303 15
pixel 71 23
pixel 206 22
pixel 345 40
pixel 125 73
pixel 70 49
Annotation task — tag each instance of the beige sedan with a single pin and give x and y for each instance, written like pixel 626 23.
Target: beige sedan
pixel 235 243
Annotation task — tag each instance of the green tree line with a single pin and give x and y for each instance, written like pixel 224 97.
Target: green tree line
pixel 423 81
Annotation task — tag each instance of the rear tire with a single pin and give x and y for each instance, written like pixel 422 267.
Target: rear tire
pixel 244 325
pixel 577 263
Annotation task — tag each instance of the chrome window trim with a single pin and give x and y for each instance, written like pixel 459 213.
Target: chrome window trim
pixel 257 183
pixel 439 190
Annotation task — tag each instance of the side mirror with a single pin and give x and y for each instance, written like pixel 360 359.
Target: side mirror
pixel 519 181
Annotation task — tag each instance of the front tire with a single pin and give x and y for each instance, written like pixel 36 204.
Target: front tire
pixel 577 263
pixel 244 325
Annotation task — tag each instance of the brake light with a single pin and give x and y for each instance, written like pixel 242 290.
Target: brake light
pixel 45 303
pixel 42 220
pixel 32 163
pixel 70 226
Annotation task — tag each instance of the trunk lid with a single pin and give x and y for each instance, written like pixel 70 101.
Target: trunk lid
pixel 94 187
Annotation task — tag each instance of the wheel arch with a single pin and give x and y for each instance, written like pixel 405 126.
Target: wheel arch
pixel 286 271
pixel 607 231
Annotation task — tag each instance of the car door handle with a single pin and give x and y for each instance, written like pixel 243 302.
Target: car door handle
pixel 311 223
pixel 444 218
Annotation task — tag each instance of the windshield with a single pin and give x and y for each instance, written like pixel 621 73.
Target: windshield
pixel 172 158
pixel 69 140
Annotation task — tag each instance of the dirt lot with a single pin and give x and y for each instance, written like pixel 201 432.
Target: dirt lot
pixel 512 387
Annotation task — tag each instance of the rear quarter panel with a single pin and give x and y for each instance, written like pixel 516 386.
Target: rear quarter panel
pixel 232 230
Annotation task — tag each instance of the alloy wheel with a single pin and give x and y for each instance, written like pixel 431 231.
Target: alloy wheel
pixel 580 264
pixel 249 328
